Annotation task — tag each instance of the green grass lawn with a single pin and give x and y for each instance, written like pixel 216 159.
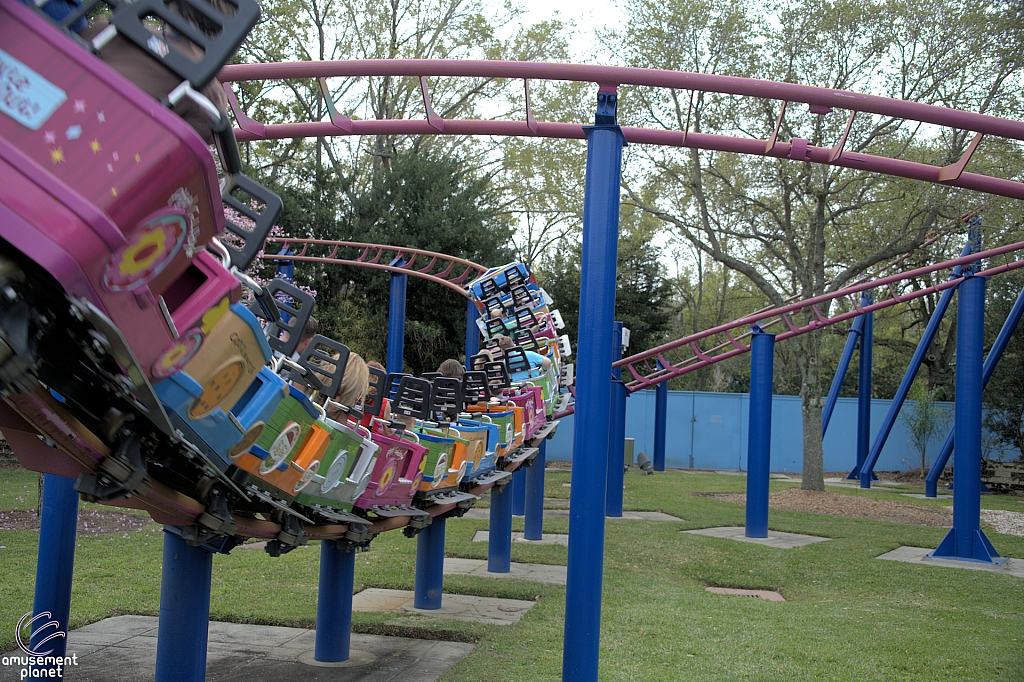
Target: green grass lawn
pixel 848 615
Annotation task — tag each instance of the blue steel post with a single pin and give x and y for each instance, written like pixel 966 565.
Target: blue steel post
pixel 616 432
pixel 472 331
pixel 965 539
pixel 759 433
pixel 844 364
pixel 334 602
pixel 55 567
pixel 519 492
pixel 430 566
pixel 908 378
pixel 396 321
pixel 184 612
pixel 660 423
pixel 581 643
pixel 996 352
pixel 499 542
pixel 533 525
pixel 867 342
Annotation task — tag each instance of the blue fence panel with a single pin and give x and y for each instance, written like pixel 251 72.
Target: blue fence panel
pixel 709 431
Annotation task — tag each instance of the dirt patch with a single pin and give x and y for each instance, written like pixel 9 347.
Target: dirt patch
pixel 90 521
pixel 817 502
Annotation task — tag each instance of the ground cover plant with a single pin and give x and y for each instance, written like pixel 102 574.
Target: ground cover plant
pixel 847 616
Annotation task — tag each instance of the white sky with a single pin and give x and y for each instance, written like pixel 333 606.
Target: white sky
pixel 587 17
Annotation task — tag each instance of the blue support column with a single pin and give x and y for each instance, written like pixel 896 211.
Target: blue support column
pixel 660 424
pixel 759 434
pixel 616 432
pixel 582 638
pixel 430 566
pixel 396 322
pixel 965 540
pixel 334 602
pixel 499 542
pixel 184 611
pixel 472 331
pixel 533 528
pixel 903 391
pixel 996 352
pixel 844 365
pixel 55 567
pixel 519 492
pixel 867 343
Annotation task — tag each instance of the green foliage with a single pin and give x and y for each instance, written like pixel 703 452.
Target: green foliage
pixel 642 293
pixel 924 418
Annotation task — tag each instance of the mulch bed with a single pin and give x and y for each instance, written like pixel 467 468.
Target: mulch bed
pixel 90 521
pixel 817 502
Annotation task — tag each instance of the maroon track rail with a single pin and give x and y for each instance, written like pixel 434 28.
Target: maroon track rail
pixel 819 101
pixel 450 271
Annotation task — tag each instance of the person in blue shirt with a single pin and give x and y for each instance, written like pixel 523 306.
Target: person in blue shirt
pixel 536 360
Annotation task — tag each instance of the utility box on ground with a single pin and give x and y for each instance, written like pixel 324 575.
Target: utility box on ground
pixel 628 452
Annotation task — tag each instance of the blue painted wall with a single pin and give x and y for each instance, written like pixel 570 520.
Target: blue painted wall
pixel 709 431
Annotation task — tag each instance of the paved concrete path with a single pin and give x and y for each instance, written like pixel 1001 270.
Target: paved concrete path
pixel 775 538
pixel 546 538
pixel 485 514
pixel 457 606
pixel 538 573
pixel 123 649
pixel 919 555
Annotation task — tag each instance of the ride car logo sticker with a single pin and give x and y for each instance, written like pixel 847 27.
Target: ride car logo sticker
pixel 26 96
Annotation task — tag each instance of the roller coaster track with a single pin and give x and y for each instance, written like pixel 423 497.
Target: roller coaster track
pixel 450 271
pixel 683 355
pixel 819 101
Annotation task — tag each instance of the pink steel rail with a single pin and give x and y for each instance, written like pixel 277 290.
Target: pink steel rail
pixel 454 273
pixel 686 355
pixel 819 100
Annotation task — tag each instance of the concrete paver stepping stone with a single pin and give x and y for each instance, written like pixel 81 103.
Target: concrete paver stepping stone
pixel 485 514
pixel 919 555
pixel 538 573
pixel 123 649
pixel 456 606
pixel 546 538
pixel 775 538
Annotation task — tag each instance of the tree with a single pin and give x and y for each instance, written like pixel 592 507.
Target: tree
pixel 642 293
pixel 925 419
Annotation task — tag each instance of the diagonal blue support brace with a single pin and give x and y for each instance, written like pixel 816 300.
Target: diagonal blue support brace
pixel 396 321
pixel 868 466
pixel 844 364
pixel 994 354
pixel 582 639
pixel 616 432
pixel 965 540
